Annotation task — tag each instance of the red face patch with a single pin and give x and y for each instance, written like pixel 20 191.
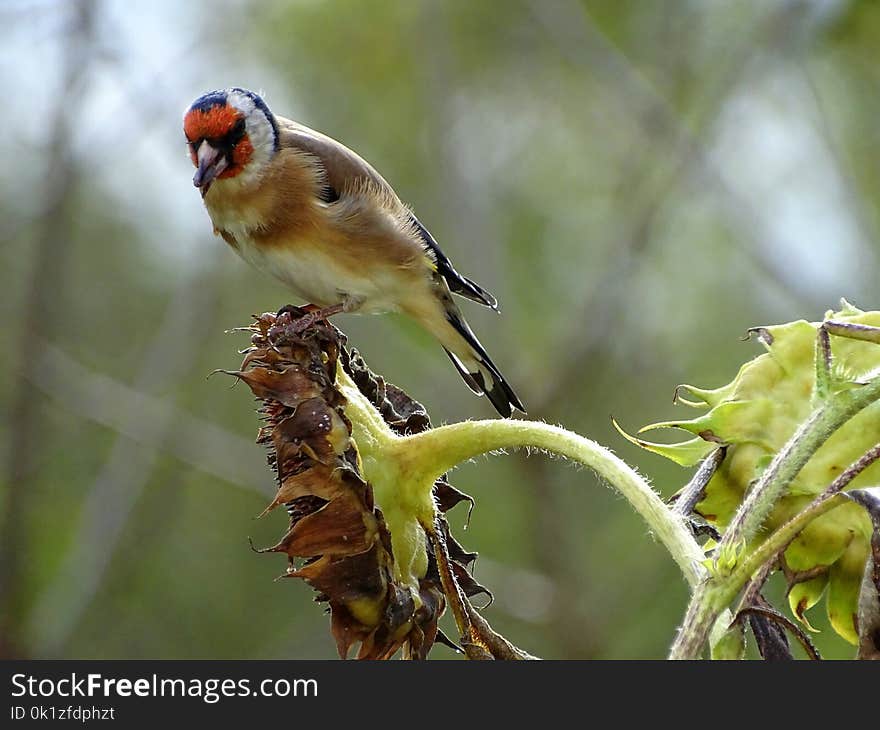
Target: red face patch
pixel 215 125
pixel 241 155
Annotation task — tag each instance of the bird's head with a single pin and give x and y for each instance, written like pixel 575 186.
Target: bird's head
pixel 231 135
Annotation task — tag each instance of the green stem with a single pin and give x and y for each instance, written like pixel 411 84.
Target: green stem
pixel 715 595
pixel 782 538
pixel 779 540
pixel 787 464
pixel 437 451
pixel 402 471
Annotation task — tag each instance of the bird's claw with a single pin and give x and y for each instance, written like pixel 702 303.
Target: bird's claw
pixel 301 318
pixel 294 311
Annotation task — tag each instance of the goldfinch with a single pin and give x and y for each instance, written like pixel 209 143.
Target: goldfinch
pixel 306 209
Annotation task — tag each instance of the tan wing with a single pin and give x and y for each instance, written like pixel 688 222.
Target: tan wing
pixel 346 171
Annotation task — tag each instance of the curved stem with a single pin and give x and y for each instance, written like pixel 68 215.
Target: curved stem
pixel 432 453
pixel 403 470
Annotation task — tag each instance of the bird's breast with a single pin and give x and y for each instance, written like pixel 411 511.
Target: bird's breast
pixel 359 254
pixel 311 270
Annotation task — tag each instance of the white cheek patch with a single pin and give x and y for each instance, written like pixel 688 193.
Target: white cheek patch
pixel 261 135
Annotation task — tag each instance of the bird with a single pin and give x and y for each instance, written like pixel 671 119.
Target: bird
pixel 304 208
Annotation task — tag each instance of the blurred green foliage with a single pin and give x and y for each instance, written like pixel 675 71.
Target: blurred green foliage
pixel 638 183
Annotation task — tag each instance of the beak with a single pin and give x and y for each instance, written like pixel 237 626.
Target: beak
pixel 211 163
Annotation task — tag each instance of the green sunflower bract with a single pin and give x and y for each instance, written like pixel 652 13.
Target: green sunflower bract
pixel 754 416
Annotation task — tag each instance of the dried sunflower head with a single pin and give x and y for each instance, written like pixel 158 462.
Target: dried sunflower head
pixel 337 540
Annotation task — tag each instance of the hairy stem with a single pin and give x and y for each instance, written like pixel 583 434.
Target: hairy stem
pixel 439 450
pixel 825 502
pixel 421 458
pixel 788 462
pixel 403 469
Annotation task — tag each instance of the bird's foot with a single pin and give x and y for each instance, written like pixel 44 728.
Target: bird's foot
pixel 304 317
pixel 294 311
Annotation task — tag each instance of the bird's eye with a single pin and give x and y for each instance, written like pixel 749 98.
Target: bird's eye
pixel 237 132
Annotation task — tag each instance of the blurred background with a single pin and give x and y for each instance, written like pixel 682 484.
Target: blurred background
pixel 637 182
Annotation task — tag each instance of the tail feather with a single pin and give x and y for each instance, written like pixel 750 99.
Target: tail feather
pixel 465 375
pixel 478 370
pixel 469 289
